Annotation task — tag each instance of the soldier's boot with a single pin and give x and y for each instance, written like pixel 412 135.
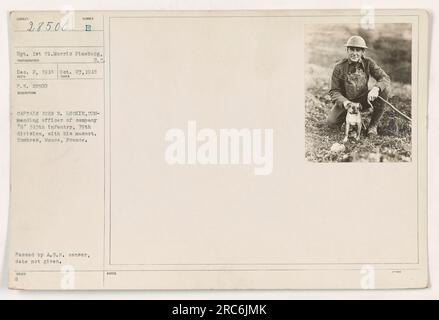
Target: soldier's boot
pixel 372 130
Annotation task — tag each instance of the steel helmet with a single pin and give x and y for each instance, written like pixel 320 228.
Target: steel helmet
pixel 356 41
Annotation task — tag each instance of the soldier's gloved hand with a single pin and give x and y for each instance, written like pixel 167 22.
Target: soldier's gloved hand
pixel 373 93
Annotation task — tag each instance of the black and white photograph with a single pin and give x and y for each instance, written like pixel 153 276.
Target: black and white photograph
pixel 358 99
pixel 157 152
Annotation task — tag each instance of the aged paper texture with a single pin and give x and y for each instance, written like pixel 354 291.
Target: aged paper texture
pixel 216 150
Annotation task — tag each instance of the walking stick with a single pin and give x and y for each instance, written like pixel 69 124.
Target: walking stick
pixel 393 107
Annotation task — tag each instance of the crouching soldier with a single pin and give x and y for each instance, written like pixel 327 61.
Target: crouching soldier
pixel 349 84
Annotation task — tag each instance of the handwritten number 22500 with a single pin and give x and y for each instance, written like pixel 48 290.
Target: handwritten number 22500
pixel 46 26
